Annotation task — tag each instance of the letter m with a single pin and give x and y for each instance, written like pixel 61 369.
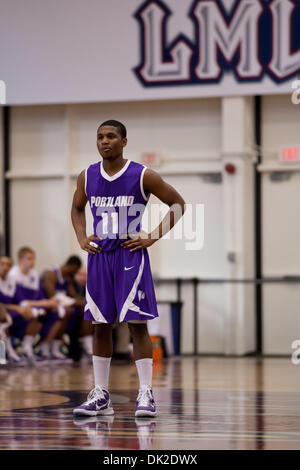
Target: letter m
pixel 241 33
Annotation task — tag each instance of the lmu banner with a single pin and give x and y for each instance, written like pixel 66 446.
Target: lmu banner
pixel 248 39
pixel 121 50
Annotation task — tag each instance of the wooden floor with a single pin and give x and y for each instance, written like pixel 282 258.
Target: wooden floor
pixel 203 403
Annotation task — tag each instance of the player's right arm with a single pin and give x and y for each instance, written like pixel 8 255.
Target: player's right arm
pixel 78 217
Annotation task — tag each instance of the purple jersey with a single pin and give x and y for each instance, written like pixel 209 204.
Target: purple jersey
pixel 117 202
pixel 8 291
pixel 119 282
pixel 61 283
pixel 28 286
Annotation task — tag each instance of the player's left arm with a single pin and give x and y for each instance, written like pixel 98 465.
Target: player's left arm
pixel 49 283
pixel 154 184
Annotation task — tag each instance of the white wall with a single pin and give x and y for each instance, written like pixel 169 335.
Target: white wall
pixel 281 226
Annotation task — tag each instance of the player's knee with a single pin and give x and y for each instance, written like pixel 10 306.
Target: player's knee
pixel 138 329
pixel 2 317
pixel 29 317
pixel 102 330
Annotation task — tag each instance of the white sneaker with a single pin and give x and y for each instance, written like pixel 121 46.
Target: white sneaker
pixel 45 353
pixel 97 403
pixel 56 354
pixel 13 356
pixel 11 353
pixel 145 404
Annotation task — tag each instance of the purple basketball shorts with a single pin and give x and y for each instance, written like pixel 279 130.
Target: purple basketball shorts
pixel 49 321
pixel 19 326
pixel 120 286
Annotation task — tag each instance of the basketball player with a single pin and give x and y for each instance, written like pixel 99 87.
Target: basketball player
pixel 24 318
pixel 85 327
pixel 58 282
pixel 119 280
pixel 30 293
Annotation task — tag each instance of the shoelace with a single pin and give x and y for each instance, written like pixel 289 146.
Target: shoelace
pixel 95 394
pixel 144 397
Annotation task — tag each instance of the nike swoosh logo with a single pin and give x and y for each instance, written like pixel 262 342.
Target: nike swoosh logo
pixel 100 407
pixel 127 269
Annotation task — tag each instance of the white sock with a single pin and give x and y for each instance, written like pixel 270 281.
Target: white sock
pixel 45 349
pixel 27 340
pixel 55 346
pixel 27 344
pixel 87 344
pixel 10 350
pixel 101 367
pixel 144 368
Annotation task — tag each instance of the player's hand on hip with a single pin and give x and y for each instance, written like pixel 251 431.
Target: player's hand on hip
pixel 88 244
pixel 140 241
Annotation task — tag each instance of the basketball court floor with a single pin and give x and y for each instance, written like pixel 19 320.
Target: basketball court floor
pixel 203 403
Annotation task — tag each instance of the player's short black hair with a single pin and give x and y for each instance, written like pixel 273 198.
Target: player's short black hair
pixel 74 261
pixel 121 128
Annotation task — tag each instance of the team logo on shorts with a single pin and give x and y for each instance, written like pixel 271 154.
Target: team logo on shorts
pixel 141 295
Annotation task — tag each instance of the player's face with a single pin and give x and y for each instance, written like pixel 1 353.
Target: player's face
pixel 27 261
pixel 5 265
pixel 110 143
pixel 72 270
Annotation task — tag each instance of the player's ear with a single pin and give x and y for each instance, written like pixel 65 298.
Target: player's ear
pixel 124 142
